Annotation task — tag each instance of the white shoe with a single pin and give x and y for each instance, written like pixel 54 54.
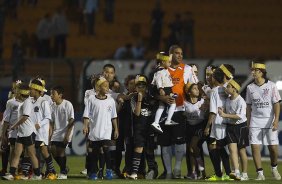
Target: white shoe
pixel 84 172
pixel 132 176
pixel 244 177
pixel 8 177
pixel 157 127
pixel 170 123
pixel 276 174
pixel 260 177
pixel 24 177
pixel 34 177
pixel 62 177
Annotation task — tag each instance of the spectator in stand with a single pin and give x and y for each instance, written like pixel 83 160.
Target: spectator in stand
pixel 124 52
pixel 90 9
pixel 187 35
pixel 175 31
pixel 138 50
pixel 109 11
pixel 60 31
pixel 44 34
pixel 157 24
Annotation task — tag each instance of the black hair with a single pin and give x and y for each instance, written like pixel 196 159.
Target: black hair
pixel 59 89
pixel 24 86
pixel 187 95
pixel 261 61
pixel 172 48
pixel 38 82
pixel 218 75
pixel 128 78
pixel 109 66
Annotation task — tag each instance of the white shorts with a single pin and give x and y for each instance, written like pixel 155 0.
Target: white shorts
pixel 264 136
pixel 218 131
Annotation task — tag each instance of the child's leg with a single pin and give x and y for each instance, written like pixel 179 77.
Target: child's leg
pixel 93 158
pixel 5 159
pixel 136 159
pixel 234 156
pixel 244 160
pixel 32 154
pixel 215 159
pixel 171 111
pixel 225 160
pixel 159 112
pixel 16 158
pixel 197 153
pixel 48 159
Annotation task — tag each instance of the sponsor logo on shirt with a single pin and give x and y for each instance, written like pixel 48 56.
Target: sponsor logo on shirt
pixel 259 104
pixel 109 109
pixel 36 109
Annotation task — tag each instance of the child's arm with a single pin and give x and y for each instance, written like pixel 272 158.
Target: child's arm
pixel 85 125
pixel 21 121
pixel 248 112
pixel 210 121
pixel 162 92
pixel 114 122
pixel 69 129
pixel 225 115
pixel 276 109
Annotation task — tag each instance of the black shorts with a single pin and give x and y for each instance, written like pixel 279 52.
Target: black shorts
pixel 12 141
pixel 99 144
pixel 154 91
pixel 195 130
pixel 39 144
pixel 139 134
pixel 218 143
pixel 238 134
pixel 120 143
pixel 60 144
pixel 27 141
pixel 173 134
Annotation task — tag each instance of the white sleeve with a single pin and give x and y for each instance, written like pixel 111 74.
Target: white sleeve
pixel 114 111
pixel 53 113
pixel 213 102
pixel 27 107
pixel 248 97
pixel 241 109
pixel 189 75
pixel 46 113
pixel 86 110
pixel 159 79
pixel 275 95
pixel 70 110
pixel 86 96
pixel 7 112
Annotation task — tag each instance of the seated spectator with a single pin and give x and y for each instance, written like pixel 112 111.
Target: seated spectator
pixel 124 52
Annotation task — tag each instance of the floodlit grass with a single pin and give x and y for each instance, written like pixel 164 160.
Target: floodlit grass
pixel 76 164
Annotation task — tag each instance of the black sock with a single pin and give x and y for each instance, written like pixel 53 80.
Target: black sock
pixel 93 161
pixel 63 166
pixel 13 171
pixel 188 162
pixel 128 157
pixel 5 159
pixel 58 160
pixel 49 164
pixel 151 161
pixel 273 165
pixel 36 171
pixel 259 169
pixel 88 164
pixel 136 162
pixel 26 165
pixel 164 163
pixel 108 160
pixel 113 159
pixel 225 160
pixel 101 161
pixel 215 159
pixel 118 161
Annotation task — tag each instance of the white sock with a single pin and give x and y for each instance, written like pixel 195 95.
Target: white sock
pixel 159 113
pixel 179 153
pixel 167 157
pixel 244 174
pixel 171 111
pixel 260 172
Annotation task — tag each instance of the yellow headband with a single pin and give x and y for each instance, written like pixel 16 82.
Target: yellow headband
pixel 209 70
pixel 100 81
pixel 226 71
pixel 162 57
pixel 258 66
pixel 37 87
pixel 235 84
pixel 140 79
pixel 24 92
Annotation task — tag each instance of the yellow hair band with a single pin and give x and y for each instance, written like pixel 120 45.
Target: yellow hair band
pixel 162 57
pixel 226 71
pixel 37 87
pixel 235 84
pixel 24 92
pixel 140 79
pixel 100 81
pixel 258 65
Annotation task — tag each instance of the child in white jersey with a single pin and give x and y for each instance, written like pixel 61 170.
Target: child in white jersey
pixel 162 80
pixel 195 118
pixel 263 110
pixel 237 135
pixel 101 109
pixel 25 136
pixel 41 118
pixel 62 128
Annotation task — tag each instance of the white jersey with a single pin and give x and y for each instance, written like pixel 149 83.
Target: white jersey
pixel 48 98
pixel 261 98
pixel 237 106
pixel 26 128
pixel 162 79
pixel 91 92
pixel 41 114
pixel 11 115
pixel 193 113
pixel 218 98
pixel 100 113
pixel 207 90
pixel 61 114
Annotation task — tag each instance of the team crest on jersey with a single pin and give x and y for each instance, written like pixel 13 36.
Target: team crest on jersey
pixel 36 109
pixel 15 108
pixel 265 92
pixel 145 112
pixel 109 108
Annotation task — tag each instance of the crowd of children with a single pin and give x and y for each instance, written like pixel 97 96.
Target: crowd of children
pixel 173 110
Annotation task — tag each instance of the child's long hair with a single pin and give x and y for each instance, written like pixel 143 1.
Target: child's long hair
pixel 187 91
